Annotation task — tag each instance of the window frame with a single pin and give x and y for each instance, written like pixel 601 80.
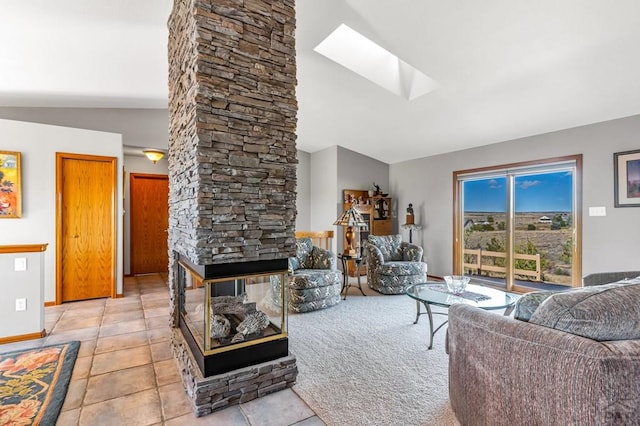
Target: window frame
pixel 509 170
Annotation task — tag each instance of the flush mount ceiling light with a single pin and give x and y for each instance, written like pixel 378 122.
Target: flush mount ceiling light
pixel 154 155
pixel 357 53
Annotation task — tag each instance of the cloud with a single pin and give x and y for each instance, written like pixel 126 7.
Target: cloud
pixel 529 183
pixel 493 184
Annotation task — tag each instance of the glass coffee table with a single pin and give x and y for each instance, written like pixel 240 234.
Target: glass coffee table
pixel 435 293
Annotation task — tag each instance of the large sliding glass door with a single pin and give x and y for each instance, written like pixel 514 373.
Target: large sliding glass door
pixel 517 226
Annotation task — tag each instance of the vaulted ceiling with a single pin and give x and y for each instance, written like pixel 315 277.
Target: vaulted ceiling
pixel 504 68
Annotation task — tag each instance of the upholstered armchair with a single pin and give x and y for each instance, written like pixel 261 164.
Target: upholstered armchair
pixel 316 281
pixel 393 264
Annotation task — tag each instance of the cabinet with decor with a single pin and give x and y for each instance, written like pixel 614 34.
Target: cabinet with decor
pixel 376 210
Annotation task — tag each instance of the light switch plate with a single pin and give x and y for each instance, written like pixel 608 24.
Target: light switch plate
pixel 20 264
pixel 597 211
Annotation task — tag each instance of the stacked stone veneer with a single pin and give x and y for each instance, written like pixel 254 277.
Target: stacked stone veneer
pixel 232 152
pixel 232 157
pixel 209 394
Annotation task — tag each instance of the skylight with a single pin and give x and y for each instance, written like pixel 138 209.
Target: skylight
pixel 357 53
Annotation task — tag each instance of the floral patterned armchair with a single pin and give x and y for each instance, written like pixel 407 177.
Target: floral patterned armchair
pixel 393 264
pixel 316 282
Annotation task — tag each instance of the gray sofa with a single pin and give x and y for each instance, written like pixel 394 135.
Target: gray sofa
pixel 576 361
pixel 600 278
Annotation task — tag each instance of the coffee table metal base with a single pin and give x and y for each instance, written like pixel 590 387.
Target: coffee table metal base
pixel 432 332
pixel 430 314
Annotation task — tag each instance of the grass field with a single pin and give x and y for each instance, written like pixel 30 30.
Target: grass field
pixel 549 242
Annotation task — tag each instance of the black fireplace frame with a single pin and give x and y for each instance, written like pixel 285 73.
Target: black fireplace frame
pixel 239 355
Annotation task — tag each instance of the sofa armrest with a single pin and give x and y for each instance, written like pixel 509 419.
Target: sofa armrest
pixel 504 372
pixel 323 259
pixel 411 252
pixel 373 255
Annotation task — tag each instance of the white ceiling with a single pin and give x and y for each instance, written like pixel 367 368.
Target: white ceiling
pixel 505 68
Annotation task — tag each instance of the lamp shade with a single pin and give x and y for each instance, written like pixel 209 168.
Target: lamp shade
pixel 351 217
pixel 153 154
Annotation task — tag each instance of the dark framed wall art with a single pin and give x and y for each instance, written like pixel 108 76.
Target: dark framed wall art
pixel 626 166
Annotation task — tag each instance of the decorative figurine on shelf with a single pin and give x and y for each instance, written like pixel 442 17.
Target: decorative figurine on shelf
pixel 410 217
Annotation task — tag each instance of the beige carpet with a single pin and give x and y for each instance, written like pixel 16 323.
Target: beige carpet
pixel 364 362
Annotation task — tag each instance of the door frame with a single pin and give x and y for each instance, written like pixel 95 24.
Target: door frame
pixel 132 177
pixel 60 157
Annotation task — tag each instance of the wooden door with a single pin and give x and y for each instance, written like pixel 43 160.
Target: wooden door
pixel 86 227
pixel 149 206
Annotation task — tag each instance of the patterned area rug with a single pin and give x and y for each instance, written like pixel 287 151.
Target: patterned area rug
pixel 33 383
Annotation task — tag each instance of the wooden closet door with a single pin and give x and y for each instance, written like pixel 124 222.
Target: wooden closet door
pixel 149 206
pixel 86 231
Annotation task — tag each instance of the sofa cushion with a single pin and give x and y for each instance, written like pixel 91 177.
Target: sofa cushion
pixel 297 296
pixel 303 259
pixel 528 303
pixel 402 268
pixel 322 259
pixel 389 245
pixel 606 312
pixel 311 278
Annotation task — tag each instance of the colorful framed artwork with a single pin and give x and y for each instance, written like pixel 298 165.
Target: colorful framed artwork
pixel 626 177
pixel 10 187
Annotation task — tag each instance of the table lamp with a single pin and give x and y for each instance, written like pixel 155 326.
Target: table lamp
pixel 351 218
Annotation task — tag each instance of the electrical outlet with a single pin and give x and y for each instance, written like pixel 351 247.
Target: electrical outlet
pixel 21 304
pixel 20 264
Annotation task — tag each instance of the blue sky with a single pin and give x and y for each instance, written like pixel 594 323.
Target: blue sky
pixel 548 192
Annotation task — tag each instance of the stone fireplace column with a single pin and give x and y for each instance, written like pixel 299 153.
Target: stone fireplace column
pixel 233 114
pixel 232 108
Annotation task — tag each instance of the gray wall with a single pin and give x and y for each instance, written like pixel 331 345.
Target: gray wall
pixel 332 170
pixel 147 128
pixel 609 243
pixel 38 144
pixel 426 182
pixel 303 191
pixel 139 127
pixel 357 171
pixel 323 173
pixel 27 285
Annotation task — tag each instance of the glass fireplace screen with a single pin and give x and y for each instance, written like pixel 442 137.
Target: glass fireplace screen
pixel 228 313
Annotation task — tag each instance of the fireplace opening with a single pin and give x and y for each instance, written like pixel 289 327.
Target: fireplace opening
pixel 229 318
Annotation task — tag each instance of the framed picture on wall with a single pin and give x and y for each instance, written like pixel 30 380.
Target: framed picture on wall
pixel 10 187
pixel 626 177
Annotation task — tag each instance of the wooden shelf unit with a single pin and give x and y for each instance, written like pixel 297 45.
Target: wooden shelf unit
pixel 377 209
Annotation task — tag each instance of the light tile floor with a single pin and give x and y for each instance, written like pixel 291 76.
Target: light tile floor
pixel 125 373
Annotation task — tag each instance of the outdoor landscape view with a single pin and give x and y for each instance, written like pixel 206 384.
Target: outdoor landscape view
pixel 543 227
